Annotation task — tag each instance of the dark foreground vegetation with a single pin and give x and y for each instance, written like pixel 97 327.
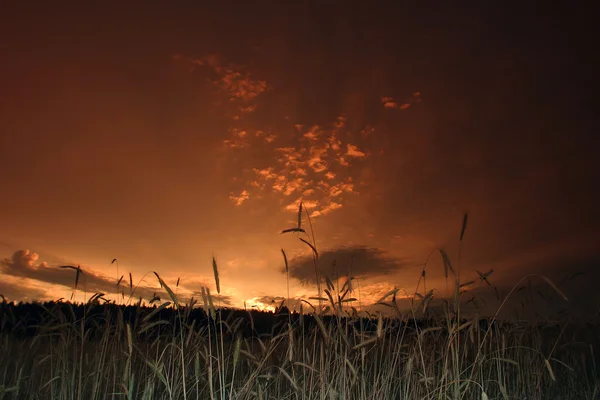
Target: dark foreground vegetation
pixel 98 350
pixel 105 351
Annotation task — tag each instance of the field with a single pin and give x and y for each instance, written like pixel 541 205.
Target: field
pixel 328 350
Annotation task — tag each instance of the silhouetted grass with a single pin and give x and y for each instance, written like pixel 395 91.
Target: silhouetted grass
pixel 60 350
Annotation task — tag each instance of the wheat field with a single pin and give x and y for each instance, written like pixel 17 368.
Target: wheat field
pixel 325 350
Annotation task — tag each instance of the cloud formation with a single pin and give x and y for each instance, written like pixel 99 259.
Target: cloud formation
pixel 239 85
pixel 22 264
pixel 389 102
pixel 313 167
pixel 241 198
pixel 314 163
pixel 357 261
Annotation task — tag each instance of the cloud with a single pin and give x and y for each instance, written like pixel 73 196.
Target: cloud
pixel 367 131
pixel 319 208
pixel 242 87
pixel 341 187
pixel 241 198
pixel 316 161
pixel 266 173
pixel 313 133
pixel 280 183
pixel 335 144
pixel 389 102
pixel 248 109
pixel 294 185
pixel 340 122
pixel 311 154
pixel 238 139
pixel 238 84
pixel 270 138
pixel 353 151
pixel 305 203
pixel 330 207
pixel 357 261
pixel 22 264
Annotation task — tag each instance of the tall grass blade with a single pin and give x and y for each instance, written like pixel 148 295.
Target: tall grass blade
pixel 168 289
pixel 285 260
pixel 464 226
pixel 216 273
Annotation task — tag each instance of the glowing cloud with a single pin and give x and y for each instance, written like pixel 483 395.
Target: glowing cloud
pixel 241 198
pixel 239 85
pixel 389 102
pixel 353 151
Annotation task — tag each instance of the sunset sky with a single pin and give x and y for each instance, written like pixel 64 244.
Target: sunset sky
pixel 163 136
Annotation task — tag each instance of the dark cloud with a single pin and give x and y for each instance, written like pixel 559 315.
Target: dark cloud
pixel 357 261
pixel 22 264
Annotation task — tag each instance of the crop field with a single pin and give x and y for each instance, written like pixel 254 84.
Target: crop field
pixel 325 350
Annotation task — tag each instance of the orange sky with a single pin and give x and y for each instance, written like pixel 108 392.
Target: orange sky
pixel 164 136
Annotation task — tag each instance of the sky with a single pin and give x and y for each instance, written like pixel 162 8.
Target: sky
pixel 165 135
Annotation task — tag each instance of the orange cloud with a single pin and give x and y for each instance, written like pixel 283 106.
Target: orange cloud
pixel 340 122
pixel 316 161
pixel 234 144
pixel 313 133
pixel 241 198
pixel 248 109
pixel 307 204
pixel 300 171
pixel 303 167
pixel 367 131
pixel 240 86
pixel 266 173
pixel 335 144
pixel 294 185
pixel 339 188
pixel 353 151
pixel 330 207
pixel 280 183
pixel 389 102
pixel 238 139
